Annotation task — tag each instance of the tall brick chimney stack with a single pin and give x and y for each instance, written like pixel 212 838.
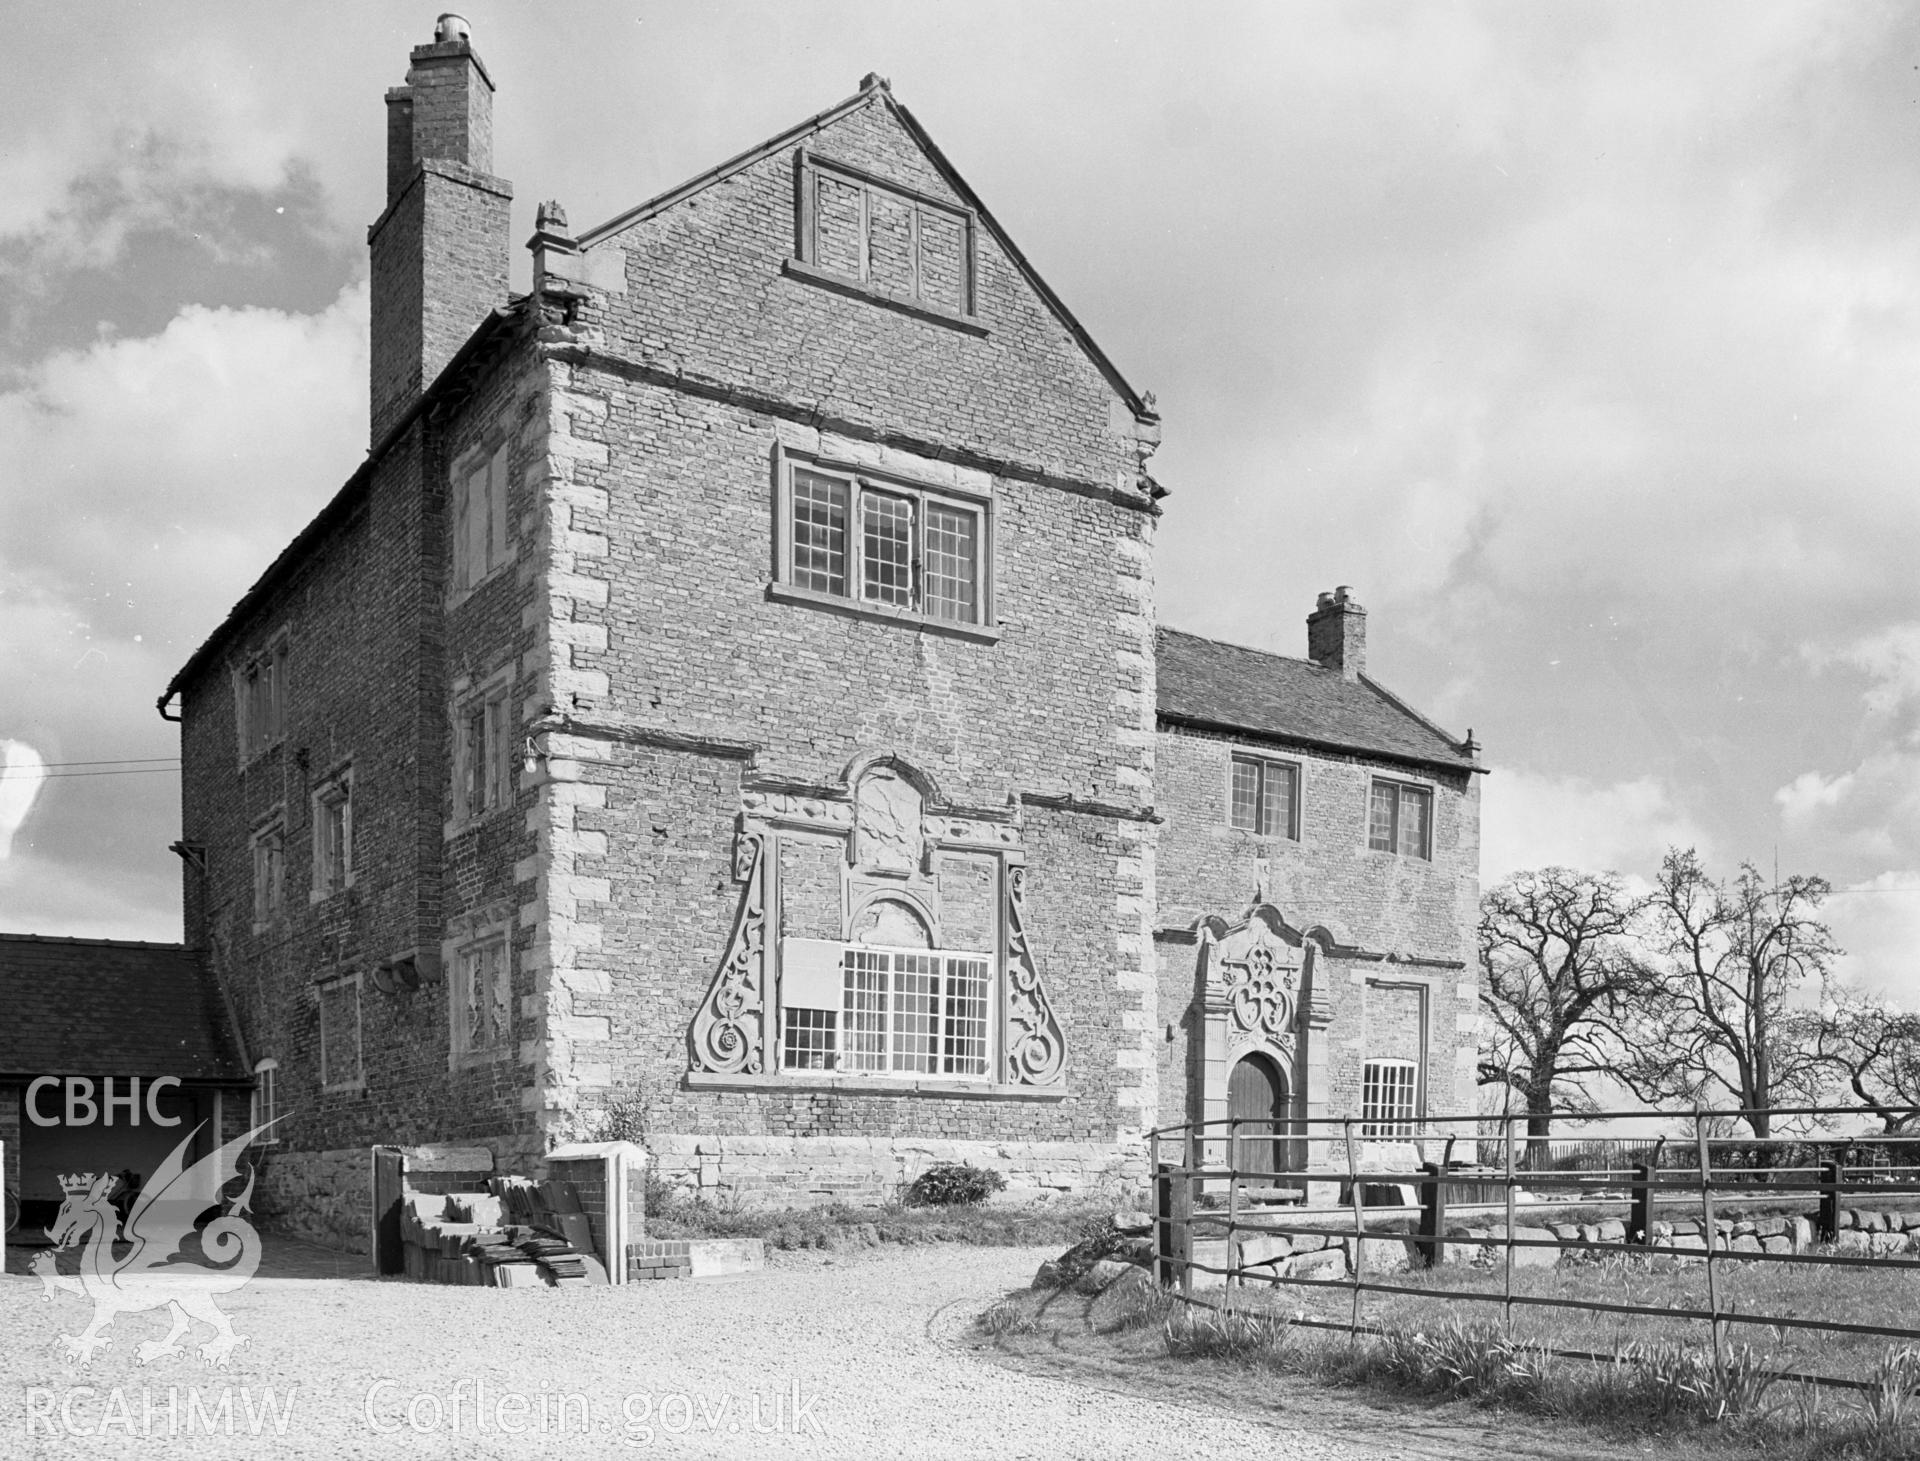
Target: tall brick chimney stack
pixel 440 249
pixel 1337 633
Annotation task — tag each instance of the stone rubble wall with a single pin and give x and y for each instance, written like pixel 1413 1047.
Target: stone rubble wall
pixel 813 1171
pixel 323 1197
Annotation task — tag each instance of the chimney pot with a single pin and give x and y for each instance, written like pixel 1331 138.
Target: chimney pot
pixel 1337 633
pixel 451 27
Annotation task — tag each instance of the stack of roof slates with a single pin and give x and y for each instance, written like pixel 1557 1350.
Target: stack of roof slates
pixel 517 1234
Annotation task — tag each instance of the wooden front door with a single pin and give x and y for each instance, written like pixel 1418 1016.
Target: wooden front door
pixel 1257 1099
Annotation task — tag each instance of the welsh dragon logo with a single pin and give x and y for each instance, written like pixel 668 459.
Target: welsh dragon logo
pixel 141 1265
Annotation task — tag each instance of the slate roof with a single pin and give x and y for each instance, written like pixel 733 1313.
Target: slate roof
pixel 100 1007
pixel 1228 687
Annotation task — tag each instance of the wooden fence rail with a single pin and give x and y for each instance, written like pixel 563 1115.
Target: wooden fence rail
pixel 1340 1194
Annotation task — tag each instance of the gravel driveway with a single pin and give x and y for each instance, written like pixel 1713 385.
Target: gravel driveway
pixel 855 1357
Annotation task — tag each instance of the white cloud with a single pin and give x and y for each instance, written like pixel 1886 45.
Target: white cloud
pixel 1892 659
pixel 1877 922
pixel 1530 820
pixel 145 483
pixel 1811 793
pixel 1873 807
pixel 187 115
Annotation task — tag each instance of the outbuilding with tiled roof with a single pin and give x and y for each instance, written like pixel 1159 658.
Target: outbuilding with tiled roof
pixel 111 1053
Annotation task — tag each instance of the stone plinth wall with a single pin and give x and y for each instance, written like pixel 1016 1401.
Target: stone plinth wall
pixel 813 1171
pixel 324 1197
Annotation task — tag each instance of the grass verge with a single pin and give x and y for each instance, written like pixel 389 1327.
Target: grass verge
pixel 1668 1388
pixel 1664 1390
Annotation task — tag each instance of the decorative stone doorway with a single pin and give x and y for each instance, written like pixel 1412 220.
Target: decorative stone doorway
pixel 1263 1016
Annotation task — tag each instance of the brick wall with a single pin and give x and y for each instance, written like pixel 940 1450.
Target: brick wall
pixel 691 639
pixel 373 654
pixel 439 264
pixel 706 295
pixel 671 400
pixel 325 1197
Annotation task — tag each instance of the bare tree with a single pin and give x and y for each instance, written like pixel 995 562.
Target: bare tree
pixel 1725 962
pixel 1558 976
pixel 1875 1049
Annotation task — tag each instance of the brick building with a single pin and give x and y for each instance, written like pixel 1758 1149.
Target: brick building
pixel 731 689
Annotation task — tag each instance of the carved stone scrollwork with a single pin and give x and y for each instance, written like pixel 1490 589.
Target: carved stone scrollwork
pixel 729 1033
pixel 1036 1048
pixel 1261 993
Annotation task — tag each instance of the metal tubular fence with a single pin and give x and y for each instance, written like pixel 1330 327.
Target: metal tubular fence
pixel 1205 1208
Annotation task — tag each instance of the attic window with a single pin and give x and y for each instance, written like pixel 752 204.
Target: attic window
pixel 889 242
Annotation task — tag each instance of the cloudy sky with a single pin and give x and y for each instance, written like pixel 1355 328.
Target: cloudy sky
pixel 1584 342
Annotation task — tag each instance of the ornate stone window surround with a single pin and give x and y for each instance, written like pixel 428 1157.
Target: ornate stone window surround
pixel 469 938
pixel 893 842
pixel 859 467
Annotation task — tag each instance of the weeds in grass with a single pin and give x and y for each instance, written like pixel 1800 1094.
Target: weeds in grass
pixel 1136 1306
pixel 1006 1318
pixel 1891 1404
pixel 1664 1385
pixel 1740 1382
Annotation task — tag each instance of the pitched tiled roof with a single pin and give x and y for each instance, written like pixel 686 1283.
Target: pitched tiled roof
pixel 1229 687
pixel 100 1007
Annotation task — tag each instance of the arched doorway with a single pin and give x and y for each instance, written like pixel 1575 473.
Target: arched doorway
pixel 1259 1101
